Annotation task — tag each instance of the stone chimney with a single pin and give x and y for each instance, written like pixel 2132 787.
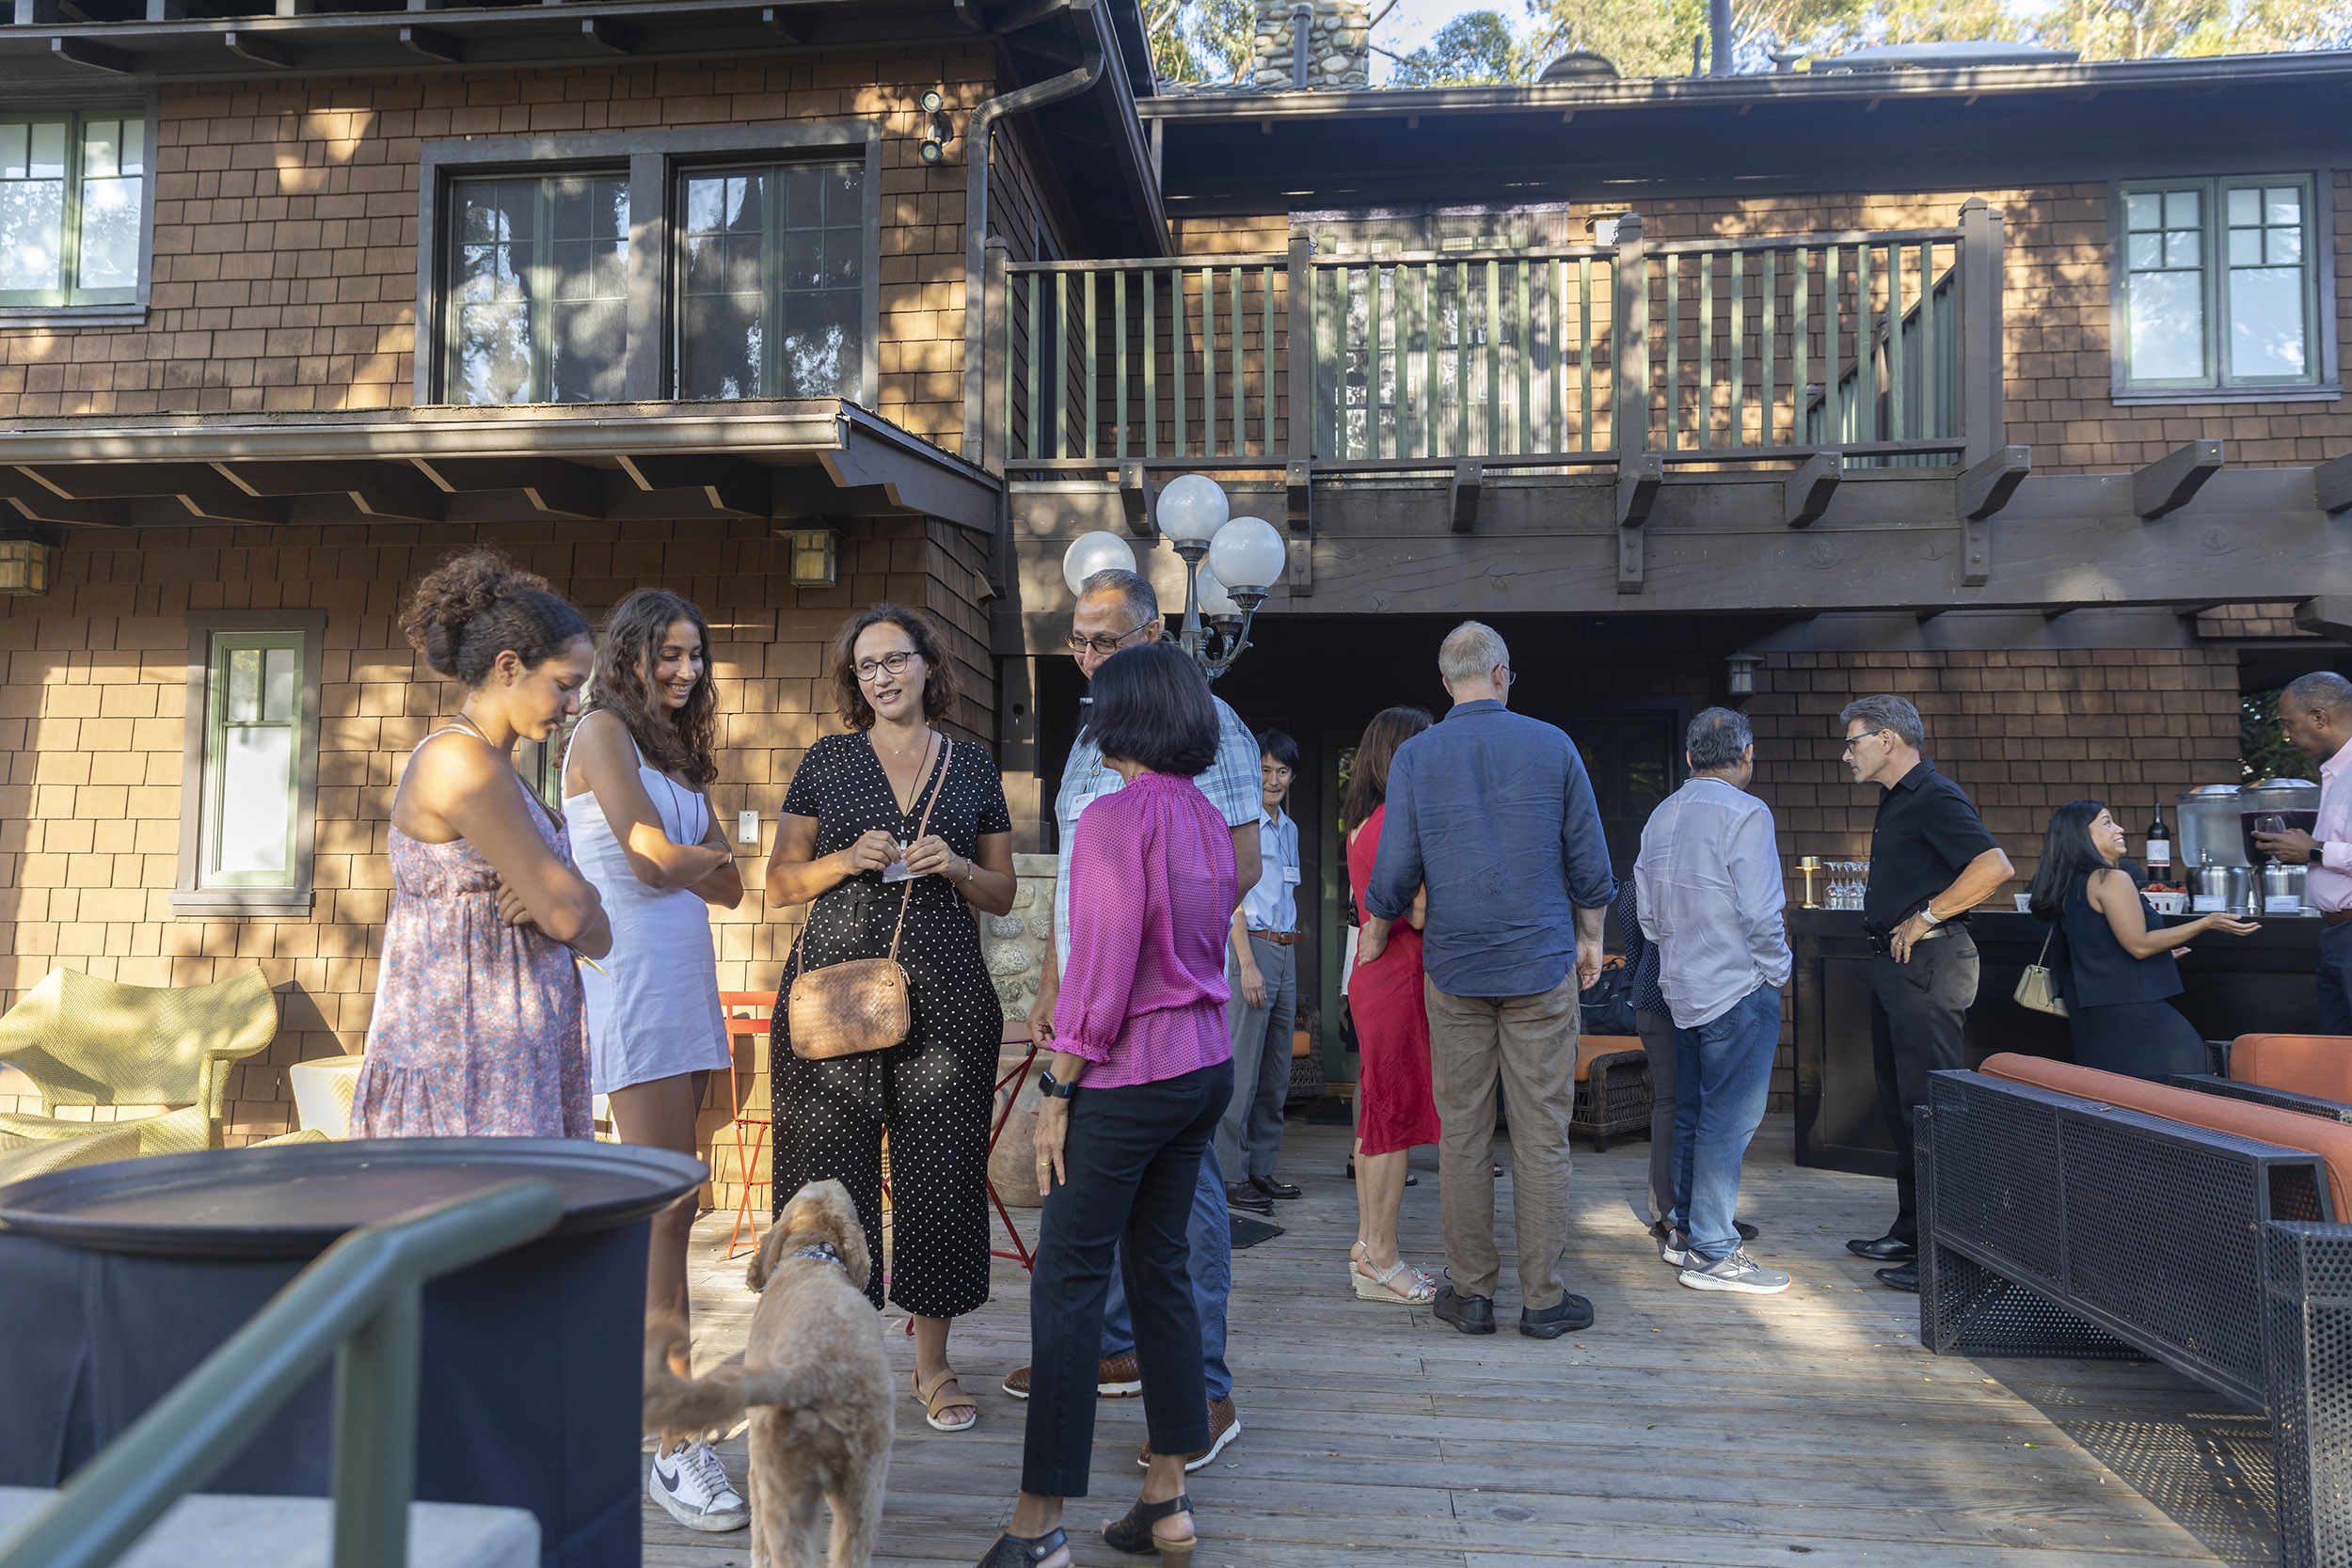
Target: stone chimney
pixel 1339 44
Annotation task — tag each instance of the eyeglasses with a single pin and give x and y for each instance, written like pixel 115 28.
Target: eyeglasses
pixel 870 670
pixel 1079 643
pixel 1853 740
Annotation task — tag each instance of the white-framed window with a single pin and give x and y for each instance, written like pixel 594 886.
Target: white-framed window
pixel 249 774
pixel 73 204
pixel 2220 286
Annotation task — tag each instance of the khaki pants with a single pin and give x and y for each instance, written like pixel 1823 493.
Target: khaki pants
pixel 1529 1044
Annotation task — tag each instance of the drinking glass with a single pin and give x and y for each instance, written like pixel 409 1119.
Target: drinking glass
pixel 2270 822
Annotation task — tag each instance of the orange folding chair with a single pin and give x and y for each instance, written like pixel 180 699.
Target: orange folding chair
pixel 748 1015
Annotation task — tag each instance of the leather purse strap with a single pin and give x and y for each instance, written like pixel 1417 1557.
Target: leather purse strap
pixel 947 759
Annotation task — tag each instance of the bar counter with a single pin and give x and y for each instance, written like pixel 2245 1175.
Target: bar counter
pixel 2258 984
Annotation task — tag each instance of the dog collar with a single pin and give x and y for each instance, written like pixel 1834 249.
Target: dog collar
pixel 823 1252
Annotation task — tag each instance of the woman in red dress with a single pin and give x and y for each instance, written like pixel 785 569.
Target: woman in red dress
pixel 1395 1106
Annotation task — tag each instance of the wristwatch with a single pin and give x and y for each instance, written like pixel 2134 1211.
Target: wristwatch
pixel 1927 912
pixel 1052 1088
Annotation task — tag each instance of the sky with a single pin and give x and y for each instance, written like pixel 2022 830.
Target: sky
pixel 1414 23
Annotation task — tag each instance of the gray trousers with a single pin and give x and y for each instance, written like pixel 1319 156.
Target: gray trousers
pixel 1657 1040
pixel 1250 1136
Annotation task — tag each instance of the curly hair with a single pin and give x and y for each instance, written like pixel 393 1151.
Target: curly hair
pixel 681 741
pixel 476 605
pixel 940 686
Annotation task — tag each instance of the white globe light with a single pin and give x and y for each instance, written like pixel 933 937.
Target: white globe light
pixel 1249 554
pixel 1214 601
pixel 1089 553
pixel 1191 509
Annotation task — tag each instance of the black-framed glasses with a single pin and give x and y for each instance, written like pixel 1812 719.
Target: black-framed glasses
pixel 870 670
pixel 1852 739
pixel 1079 643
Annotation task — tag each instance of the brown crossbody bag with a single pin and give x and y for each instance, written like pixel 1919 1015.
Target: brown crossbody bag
pixel 845 1009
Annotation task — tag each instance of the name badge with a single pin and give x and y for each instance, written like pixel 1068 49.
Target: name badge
pixel 1290 874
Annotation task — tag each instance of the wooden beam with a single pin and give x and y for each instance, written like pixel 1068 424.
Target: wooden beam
pixel 2332 479
pixel 1638 480
pixel 21 498
pixel 548 483
pixel 1462 502
pixel 432 44
pixel 773 18
pixel 378 489
pixel 1298 497
pixel 727 483
pixel 1137 497
pixel 1632 552
pixel 260 50
pixel 1807 492
pixel 2329 615
pixel 1986 489
pixel 2166 485
pixel 608 35
pixel 97 56
pixel 196 486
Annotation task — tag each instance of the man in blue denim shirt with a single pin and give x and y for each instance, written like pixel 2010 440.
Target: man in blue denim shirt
pixel 1493 812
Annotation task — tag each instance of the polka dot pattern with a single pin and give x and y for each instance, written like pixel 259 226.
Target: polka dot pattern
pixel 932 1091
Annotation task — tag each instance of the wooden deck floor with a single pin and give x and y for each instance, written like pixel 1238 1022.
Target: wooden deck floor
pixel 1681 1427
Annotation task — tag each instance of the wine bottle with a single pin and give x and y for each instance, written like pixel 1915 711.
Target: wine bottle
pixel 2159 858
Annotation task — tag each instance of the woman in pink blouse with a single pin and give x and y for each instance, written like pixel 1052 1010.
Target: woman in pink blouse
pixel 1140 1072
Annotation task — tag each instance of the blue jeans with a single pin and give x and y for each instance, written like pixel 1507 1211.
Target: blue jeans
pixel 1723 1073
pixel 1211 1235
pixel 2335 979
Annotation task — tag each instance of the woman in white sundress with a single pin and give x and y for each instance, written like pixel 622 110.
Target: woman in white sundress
pixel 643 829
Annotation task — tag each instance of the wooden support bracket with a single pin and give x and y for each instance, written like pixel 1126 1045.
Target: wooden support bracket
pixel 1987 487
pixel 2333 480
pixel 773 18
pixel 431 43
pixel 1808 490
pixel 1298 497
pixel 1470 479
pixel 608 35
pixel 1137 498
pixel 2329 615
pixel 2166 485
pixel 1632 544
pixel 97 56
pixel 260 50
pixel 548 483
pixel 727 483
pixel 374 489
pixel 1638 479
pixel 1300 578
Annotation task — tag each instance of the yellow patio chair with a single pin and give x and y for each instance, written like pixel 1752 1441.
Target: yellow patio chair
pixel 86 1041
pixel 20 1158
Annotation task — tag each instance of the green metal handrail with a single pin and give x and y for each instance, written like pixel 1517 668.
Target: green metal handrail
pixel 361 1302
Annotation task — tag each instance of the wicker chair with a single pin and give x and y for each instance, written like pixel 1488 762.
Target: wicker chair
pixel 86 1041
pixel 1612 1088
pixel 20 1158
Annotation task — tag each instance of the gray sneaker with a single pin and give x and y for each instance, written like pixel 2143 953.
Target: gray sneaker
pixel 1674 1249
pixel 1734 1271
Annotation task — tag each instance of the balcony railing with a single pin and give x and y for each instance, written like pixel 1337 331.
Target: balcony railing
pixel 1881 345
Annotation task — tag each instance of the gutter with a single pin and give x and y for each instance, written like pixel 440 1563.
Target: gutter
pixel 976 147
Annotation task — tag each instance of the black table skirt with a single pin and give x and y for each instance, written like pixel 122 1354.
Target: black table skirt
pixel 530 1395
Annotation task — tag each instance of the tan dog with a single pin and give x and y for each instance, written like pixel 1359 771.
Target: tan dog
pixel 815 1379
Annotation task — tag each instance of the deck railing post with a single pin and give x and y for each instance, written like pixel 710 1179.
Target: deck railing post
pixel 996 347
pixel 1628 340
pixel 376 1432
pixel 1983 424
pixel 1298 445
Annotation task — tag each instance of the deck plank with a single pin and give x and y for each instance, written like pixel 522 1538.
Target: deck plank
pixel 1681 1427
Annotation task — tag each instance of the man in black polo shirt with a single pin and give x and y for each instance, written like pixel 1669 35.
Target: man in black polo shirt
pixel 1931 861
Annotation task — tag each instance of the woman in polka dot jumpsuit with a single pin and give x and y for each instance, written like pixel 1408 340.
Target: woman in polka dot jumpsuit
pixel 850 818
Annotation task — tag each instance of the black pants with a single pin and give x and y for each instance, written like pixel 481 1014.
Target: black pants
pixel 1918 1012
pixel 1133 1158
pixel 2139 1039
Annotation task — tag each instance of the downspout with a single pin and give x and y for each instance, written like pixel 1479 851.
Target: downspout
pixel 976 132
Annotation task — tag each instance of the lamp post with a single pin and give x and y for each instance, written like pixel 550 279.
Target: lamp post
pixel 1230 563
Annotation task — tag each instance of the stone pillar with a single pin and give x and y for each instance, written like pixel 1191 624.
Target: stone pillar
pixel 1338 45
pixel 1015 945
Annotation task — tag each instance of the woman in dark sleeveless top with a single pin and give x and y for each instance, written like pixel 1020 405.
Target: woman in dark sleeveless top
pixel 2114 957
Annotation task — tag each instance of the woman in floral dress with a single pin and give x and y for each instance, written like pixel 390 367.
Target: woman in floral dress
pixel 478 1027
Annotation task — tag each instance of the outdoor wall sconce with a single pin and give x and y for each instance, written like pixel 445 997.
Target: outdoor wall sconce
pixel 934 150
pixel 1743 673
pixel 23 566
pixel 814 562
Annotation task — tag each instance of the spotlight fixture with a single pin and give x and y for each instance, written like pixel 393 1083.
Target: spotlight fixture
pixel 934 149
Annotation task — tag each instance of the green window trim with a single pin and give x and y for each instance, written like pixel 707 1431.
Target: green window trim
pixel 74 194
pixel 2202 299
pixel 251 763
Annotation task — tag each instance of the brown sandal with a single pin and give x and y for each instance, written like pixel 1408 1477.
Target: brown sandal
pixel 933 1401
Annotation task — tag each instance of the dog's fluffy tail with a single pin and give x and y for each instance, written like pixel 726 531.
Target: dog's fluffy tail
pixel 674 1403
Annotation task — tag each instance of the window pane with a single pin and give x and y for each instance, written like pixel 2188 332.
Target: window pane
pixel 2285 205
pixel 820 345
pixel 2146 251
pixel 243 685
pixel 722 319
pixel 12 145
pixel 2246 247
pixel 2286 244
pixel 255 801
pixel 110 234
pixel 493 353
pixel 2267 323
pixel 2167 327
pixel 589 327
pixel 2182 209
pixel 2183 248
pixel 772 287
pixel 277 685
pixel 134 147
pixel 48 151
pixel 2144 210
pixel 32 233
pixel 101 148
pixel 2246 206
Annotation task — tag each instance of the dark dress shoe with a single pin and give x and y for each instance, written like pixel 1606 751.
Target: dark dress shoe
pixel 1572 1312
pixel 1886 1249
pixel 1471 1314
pixel 1272 1188
pixel 1903 1278
pixel 1747 1231
pixel 1241 1195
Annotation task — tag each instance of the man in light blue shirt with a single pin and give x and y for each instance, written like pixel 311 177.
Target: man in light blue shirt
pixel 1262 968
pixel 1120 610
pixel 1709 885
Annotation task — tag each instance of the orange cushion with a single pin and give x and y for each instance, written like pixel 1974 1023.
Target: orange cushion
pixel 1302 1043
pixel 1590 1047
pixel 2306 1064
pixel 2330 1140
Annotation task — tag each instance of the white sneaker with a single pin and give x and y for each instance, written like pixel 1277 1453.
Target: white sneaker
pixel 1734 1271
pixel 693 1485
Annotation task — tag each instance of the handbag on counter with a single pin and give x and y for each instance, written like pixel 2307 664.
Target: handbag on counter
pixel 845 1009
pixel 2036 989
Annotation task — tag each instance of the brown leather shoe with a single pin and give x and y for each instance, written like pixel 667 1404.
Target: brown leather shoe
pixel 1224 1426
pixel 1118 1378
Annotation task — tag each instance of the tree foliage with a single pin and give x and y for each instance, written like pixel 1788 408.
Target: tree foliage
pixel 1476 46
pixel 1200 41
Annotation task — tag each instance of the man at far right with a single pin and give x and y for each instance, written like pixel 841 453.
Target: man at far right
pixel 1931 861
pixel 2316 713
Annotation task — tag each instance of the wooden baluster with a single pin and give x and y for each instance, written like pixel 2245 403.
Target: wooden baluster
pixel 1180 315
pixel 1151 365
pixel 1428 325
pixel 1093 408
pixel 1037 432
pixel 1707 351
pixel 1804 288
pixel 1265 350
pixel 1898 399
pixel 1931 376
pixel 1671 264
pixel 1239 402
pixel 1208 361
pixel 1768 262
pixel 1521 347
pixel 1737 261
pixel 1492 324
pixel 1864 405
pixel 1584 348
pixel 1118 373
